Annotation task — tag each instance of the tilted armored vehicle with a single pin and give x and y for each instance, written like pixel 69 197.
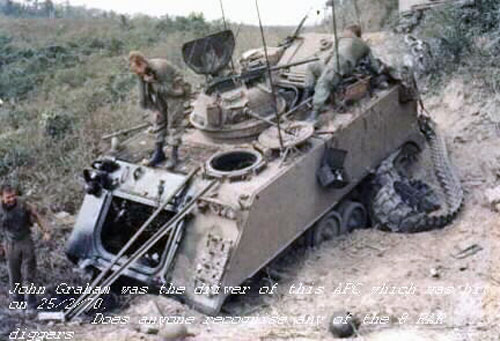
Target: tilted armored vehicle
pixel 241 194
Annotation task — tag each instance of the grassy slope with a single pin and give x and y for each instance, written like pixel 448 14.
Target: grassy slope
pixel 68 84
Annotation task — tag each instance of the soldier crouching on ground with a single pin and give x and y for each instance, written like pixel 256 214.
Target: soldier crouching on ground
pixel 16 218
pixel 351 50
pixel 163 90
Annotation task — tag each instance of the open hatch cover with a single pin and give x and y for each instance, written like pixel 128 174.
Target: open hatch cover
pixel 209 55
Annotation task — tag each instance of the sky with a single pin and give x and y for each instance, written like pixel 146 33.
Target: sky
pixel 273 12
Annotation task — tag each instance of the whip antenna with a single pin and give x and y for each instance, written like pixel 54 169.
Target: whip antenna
pixel 358 16
pixel 334 20
pixel 270 77
pixel 226 28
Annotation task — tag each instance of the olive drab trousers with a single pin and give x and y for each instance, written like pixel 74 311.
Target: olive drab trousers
pixel 330 80
pixel 168 122
pixel 21 261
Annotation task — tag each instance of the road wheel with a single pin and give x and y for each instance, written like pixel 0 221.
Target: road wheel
pixel 327 228
pixel 354 216
pixel 343 324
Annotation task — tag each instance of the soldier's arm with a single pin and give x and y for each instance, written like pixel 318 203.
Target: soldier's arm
pixel 168 79
pixel 39 221
pixel 142 94
pixel 375 64
pixel 175 92
pixel 174 88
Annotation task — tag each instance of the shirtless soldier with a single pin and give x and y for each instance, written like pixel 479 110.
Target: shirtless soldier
pixel 163 90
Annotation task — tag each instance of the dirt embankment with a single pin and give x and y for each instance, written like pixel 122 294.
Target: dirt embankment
pixel 375 15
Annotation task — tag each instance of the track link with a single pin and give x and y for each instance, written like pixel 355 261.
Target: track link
pixel 391 212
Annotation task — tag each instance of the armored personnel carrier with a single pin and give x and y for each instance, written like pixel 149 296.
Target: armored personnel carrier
pixel 248 187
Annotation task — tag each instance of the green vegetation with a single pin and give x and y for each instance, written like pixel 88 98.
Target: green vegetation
pixel 65 82
pixel 465 38
pixel 373 15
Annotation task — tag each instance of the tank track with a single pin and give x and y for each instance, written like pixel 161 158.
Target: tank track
pixel 389 209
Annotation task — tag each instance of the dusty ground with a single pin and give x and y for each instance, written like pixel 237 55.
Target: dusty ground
pixel 371 257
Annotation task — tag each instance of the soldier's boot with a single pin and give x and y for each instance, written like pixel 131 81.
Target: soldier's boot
pixel 158 155
pixel 174 158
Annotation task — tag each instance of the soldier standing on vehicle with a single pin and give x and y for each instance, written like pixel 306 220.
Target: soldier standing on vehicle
pixel 163 90
pixel 351 50
pixel 16 218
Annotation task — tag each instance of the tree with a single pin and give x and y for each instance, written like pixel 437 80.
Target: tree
pixel 48 8
pixel 11 8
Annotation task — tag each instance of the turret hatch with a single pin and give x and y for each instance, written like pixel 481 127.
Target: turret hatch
pixel 209 55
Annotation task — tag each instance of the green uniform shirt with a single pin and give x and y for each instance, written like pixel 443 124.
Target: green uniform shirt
pixel 351 51
pixel 168 83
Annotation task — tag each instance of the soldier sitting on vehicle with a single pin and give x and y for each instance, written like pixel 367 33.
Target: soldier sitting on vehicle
pixel 163 90
pixel 351 50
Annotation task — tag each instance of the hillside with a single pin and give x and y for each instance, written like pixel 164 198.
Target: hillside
pixel 65 82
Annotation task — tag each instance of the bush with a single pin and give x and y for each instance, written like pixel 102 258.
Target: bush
pixel 465 37
pixel 14 155
pixel 16 118
pixel 119 86
pixel 56 124
pixel 22 69
pixel 115 47
pixel 73 77
pixel 195 22
pixel 456 29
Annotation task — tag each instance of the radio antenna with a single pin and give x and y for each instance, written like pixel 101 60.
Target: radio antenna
pixel 226 28
pixel 334 20
pixel 273 92
pixel 223 14
pixel 358 16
